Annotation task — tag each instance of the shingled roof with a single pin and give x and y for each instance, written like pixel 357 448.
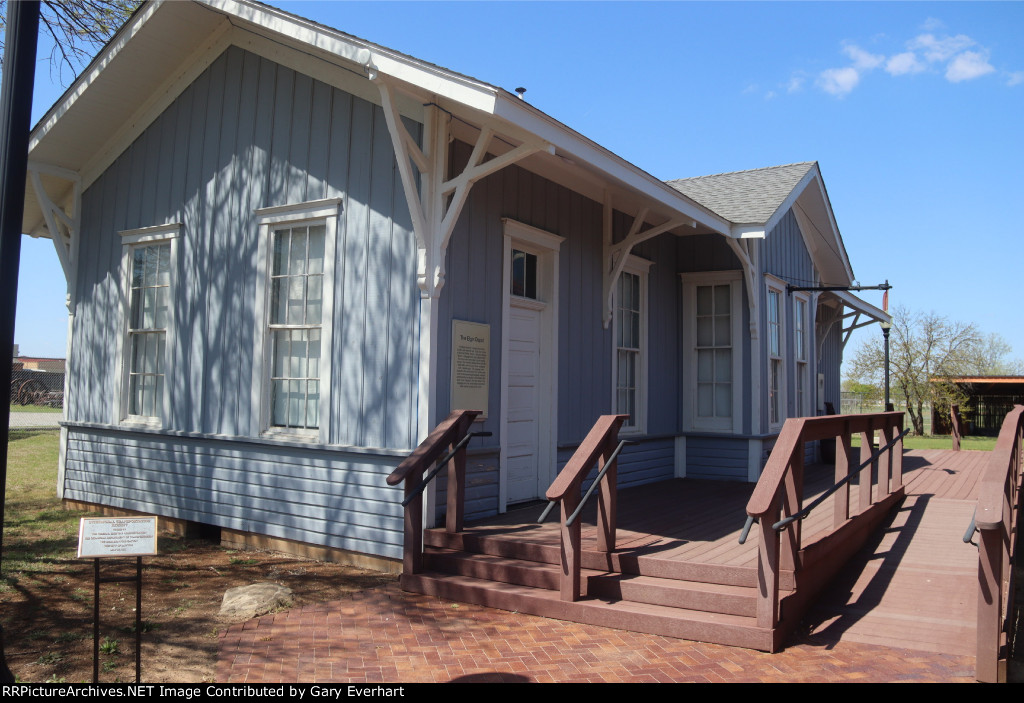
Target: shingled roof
pixel 745 197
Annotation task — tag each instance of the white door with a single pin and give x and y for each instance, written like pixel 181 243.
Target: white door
pixel 523 393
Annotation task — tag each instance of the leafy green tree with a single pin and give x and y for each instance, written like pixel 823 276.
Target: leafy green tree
pixel 926 351
pixel 77 28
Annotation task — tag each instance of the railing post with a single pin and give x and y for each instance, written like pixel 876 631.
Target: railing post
pixel 606 505
pixel 412 554
pixel 842 504
pixel 990 619
pixel 897 460
pixel 867 439
pixel 570 581
pixel 456 503
pixel 885 468
pixel 792 502
pixel 768 570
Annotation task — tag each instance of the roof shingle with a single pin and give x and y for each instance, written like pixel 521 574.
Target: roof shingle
pixel 745 197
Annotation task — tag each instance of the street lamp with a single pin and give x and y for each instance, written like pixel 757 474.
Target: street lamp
pixel 886 326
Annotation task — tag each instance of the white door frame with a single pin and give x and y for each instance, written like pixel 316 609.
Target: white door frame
pixel 545 245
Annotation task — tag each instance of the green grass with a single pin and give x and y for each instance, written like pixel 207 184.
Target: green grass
pixel 35 409
pixel 38 534
pixel 939 441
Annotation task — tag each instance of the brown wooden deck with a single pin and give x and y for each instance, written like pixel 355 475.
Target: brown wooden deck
pixel 918 590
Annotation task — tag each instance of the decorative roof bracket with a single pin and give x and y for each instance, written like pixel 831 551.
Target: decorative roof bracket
pixel 63 228
pixel 435 203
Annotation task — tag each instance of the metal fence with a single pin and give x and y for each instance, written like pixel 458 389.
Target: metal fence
pixel 37 399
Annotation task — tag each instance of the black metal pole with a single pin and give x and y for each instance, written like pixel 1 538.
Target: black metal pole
pixel 885 336
pixel 19 73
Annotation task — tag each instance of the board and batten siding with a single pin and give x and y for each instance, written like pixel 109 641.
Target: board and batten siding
pixel 473 292
pixel 249 133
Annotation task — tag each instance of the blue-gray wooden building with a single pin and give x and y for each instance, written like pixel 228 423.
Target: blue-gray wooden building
pixel 274 235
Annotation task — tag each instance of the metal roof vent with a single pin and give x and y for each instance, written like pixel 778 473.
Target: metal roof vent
pixel 520 91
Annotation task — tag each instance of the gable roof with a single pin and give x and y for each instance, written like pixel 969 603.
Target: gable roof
pixel 755 200
pixel 745 197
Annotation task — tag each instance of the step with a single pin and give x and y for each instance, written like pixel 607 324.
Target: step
pixel 620 561
pixel 693 595
pixel 701 626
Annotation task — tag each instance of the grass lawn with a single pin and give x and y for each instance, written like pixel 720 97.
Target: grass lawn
pixel 942 441
pixel 35 409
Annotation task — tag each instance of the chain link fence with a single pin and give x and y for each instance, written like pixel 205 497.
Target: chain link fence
pixel 37 399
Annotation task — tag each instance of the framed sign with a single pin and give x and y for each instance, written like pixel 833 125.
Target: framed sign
pixel 471 363
pixel 117 536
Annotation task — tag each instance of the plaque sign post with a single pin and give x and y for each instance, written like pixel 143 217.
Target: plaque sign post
pixel 100 537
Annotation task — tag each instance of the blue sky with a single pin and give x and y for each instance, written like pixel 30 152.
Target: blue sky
pixel 913 111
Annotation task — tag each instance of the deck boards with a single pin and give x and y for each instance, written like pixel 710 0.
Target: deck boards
pixel 915 589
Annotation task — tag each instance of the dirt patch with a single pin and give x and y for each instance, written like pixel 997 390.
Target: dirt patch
pixel 48 606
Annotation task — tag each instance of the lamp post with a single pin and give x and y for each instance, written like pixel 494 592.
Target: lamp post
pixel 886 326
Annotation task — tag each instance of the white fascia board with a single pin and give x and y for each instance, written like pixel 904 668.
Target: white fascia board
pixel 748 231
pixel 794 194
pixel 425 76
pixel 522 114
pixel 841 248
pixel 853 302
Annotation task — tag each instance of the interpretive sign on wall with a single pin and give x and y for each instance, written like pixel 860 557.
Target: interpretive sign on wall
pixel 117 536
pixel 471 363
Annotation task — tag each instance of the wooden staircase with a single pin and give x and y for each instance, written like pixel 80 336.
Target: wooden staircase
pixel 697 601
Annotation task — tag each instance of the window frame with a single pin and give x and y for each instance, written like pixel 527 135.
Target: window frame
pixel 131 241
pixel 640 267
pixel 270 219
pixel 777 286
pixel 801 356
pixel 691 282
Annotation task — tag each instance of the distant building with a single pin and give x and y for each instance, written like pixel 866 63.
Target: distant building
pixel 989 399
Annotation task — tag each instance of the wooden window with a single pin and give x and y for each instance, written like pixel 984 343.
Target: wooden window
pixel 292 354
pixel 524 274
pixel 148 260
pixel 800 349
pixel 712 350
pixel 776 364
pixel 296 316
pixel 630 333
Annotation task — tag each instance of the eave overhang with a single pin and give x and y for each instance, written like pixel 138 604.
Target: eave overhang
pixel 109 103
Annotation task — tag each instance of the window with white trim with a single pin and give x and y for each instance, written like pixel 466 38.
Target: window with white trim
pixel 147 262
pixel 712 350
pixel 629 372
pixel 776 362
pixel 296 255
pixel 801 305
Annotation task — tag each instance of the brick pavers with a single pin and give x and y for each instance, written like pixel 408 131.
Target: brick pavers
pixel 387 636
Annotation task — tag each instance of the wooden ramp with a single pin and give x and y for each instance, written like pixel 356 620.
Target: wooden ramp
pixel 678 569
pixel 916 585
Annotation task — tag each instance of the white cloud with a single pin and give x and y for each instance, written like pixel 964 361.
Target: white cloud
pixel 796 83
pixel 968 66
pixel 902 64
pixel 770 95
pixel 862 60
pixel 933 24
pixel 939 48
pixel 839 81
pixel 1016 78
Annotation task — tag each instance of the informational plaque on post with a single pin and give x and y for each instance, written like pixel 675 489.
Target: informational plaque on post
pixel 471 363
pixel 117 536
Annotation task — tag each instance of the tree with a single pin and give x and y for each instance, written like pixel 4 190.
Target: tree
pixel 927 349
pixel 77 28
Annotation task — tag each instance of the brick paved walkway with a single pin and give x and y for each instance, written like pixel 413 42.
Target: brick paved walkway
pixel 385 635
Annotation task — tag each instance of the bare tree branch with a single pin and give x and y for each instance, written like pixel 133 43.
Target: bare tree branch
pixel 78 29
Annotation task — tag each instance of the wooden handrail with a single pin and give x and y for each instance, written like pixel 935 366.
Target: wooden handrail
pixel 996 518
pixel 600 442
pixel 779 492
pixel 442 439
